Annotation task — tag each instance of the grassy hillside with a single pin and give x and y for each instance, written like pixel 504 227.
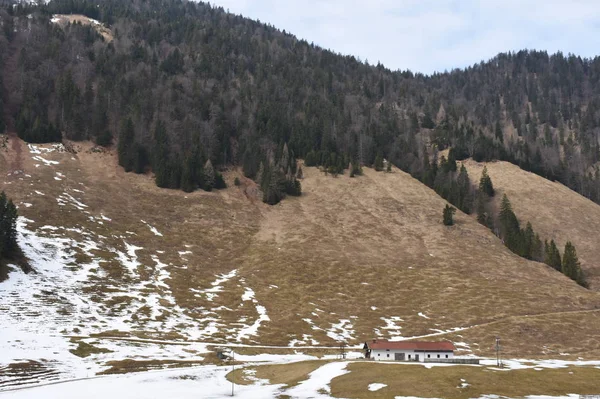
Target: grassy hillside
pixel 349 260
pixel 555 211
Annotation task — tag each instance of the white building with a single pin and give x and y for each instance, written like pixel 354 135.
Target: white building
pixel 382 349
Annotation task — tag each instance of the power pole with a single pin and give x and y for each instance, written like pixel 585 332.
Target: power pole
pixel 498 351
pixel 232 372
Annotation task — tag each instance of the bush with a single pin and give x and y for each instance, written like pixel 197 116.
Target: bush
pixel 219 181
pixel 449 215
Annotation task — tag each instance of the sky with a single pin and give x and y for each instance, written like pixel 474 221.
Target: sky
pixel 432 35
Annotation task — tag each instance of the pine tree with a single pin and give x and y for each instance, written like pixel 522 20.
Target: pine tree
pixel 300 174
pixel 485 183
pixel 452 166
pixel 509 227
pixel 8 227
pixel 529 241
pixel 125 146
pixel 187 175
pixel 250 162
pixel 209 176
pixel 378 165
pixel 498 132
pixel 160 157
pixel 274 187
pixel 552 255
pixel 311 159
pixel 449 215
pixel 571 266
pixel 465 199
pixel 284 162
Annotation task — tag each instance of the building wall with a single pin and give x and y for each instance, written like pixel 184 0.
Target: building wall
pixel 382 354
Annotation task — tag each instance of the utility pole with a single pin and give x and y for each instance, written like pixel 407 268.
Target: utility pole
pixel 498 351
pixel 232 372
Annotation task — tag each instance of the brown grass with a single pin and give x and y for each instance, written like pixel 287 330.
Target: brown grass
pixel 444 382
pixel 345 246
pixel 132 366
pixel 555 211
pixel 84 349
pixel 287 374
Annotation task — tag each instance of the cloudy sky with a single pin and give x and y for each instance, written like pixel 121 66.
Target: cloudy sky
pixel 432 35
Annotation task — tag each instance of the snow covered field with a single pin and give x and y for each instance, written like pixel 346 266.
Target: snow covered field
pixel 206 382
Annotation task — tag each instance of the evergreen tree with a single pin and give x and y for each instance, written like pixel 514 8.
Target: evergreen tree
pixel 485 183
pixel 465 197
pixel 187 175
pixel 274 187
pixel 250 162
pixel 8 228
pixel 300 174
pixel 452 167
pixel 509 227
pixel 219 181
pixel 571 266
pixel 378 165
pixel 209 176
pixel 160 162
pixel 125 148
pixel 552 255
pixel 529 241
pixel 498 132
pixel 2 123
pixel 104 138
pixel 311 159
pixel 284 162
pixel 427 121
pixel 449 215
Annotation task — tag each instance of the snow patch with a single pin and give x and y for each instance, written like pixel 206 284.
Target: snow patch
pixel 319 380
pixel 152 228
pixel 376 386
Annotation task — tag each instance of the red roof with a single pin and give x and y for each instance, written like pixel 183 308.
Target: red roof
pixel 415 345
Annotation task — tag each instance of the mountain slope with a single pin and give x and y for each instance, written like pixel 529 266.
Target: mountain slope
pixel 349 260
pixel 555 211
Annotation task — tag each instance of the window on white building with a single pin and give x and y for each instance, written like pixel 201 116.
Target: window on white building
pixel 446 356
pixel 428 356
pixel 409 356
pixel 388 355
pixel 438 356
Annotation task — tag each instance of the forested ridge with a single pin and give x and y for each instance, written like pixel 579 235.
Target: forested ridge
pixel 186 89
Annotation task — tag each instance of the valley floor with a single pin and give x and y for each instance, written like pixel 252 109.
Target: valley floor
pixel 287 377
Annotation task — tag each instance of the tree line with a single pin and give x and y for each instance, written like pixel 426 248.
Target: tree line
pixel 220 85
pixel 9 248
